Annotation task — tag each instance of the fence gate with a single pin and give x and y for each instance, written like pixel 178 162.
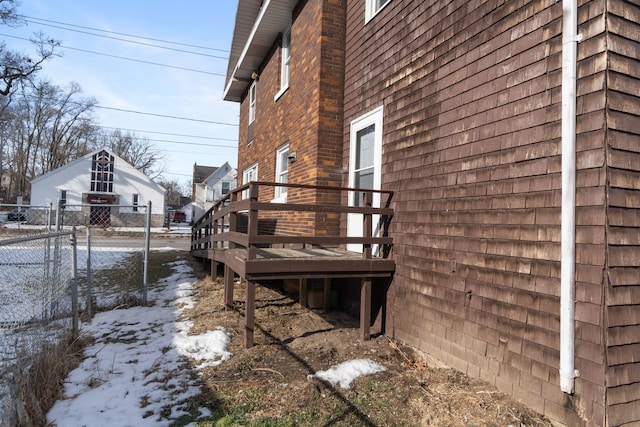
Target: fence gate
pixel 113 252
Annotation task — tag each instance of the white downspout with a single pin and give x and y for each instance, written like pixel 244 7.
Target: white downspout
pixel 568 221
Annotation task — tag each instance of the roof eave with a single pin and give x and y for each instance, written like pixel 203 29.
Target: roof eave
pixel 251 48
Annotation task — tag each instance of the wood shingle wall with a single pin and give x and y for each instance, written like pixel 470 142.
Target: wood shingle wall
pixel 623 212
pixel 471 147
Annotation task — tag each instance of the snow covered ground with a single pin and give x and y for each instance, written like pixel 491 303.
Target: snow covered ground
pixel 136 374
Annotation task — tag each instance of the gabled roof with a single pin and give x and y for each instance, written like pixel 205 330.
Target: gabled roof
pixel 220 172
pixel 201 173
pixel 258 23
pixel 86 157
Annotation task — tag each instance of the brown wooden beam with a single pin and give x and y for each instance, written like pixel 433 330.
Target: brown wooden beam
pixel 250 314
pixel 228 287
pixel 326 294
pixel 302 292
pixel 365 308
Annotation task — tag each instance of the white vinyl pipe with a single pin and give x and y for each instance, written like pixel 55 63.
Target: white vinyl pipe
pixel 568 221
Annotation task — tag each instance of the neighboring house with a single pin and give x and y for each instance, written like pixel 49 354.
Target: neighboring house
pixel 105 181
pixel 210 184
pixel 291 107
pixel 463 111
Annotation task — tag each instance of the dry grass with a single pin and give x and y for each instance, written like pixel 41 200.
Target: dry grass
pixel 268 384
pixel 40 383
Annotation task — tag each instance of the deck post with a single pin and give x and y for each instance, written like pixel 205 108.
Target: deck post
pixel 233 219
pixel 365 308
pixel 302 292
pixel 214 269
pixel 367 225
pixel 228 287
pixel 214 230
pixel 252 226
pixel 326 294
pixel 249 314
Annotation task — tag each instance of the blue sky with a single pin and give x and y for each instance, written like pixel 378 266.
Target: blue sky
pixel 127 85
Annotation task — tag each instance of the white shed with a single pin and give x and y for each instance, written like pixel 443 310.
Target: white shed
pixel 101 181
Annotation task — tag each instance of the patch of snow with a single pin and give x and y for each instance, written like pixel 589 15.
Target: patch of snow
pixel 347 372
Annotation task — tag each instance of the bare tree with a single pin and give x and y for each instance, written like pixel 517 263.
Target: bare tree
pixel 15 66
pixel 174 193
pixel 49 127
pixel 139 152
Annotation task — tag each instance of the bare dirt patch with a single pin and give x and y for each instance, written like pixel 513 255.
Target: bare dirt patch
pixel 269 385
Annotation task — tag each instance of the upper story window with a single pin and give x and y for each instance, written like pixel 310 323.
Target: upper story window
pixel 285 59
pixel 252 102
pixel 134 202
pixel 373 7
pixel 282 171
pixel 102 172
pixel 226 185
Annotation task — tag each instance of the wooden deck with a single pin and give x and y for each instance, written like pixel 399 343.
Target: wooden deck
pixel 230 234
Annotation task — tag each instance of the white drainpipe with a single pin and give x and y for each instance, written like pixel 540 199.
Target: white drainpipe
pixel 568 227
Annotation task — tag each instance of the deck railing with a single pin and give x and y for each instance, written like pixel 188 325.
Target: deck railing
pixel 238 219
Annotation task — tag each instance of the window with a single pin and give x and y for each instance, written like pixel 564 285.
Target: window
pixel 134 202
pixel 282 172
pixel 63 198
pixel 248 175
pixel 102 172
pixel 365 158
pixel 225 187
pixel 285 59
pixel 252 102
pixel 373 7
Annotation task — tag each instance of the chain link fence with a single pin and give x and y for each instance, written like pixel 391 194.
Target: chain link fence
pixel 113 252
pixel 102 250
pixel 39 294
pixel 18 219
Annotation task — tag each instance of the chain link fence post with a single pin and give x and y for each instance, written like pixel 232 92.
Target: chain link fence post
pixel 145 264
pixel 74 282
pixel 89 274
pixel 59 215
pixel 49 211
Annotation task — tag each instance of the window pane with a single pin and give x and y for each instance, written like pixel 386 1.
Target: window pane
pixel 363 179
pixel 364 147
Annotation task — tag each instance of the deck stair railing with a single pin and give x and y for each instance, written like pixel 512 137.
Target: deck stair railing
pixel 234 220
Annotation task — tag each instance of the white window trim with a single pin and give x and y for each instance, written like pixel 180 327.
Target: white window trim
pixel 245 180
pixel 374 117
pixel 370 11
pixel 253 94
pixel 285 63
pixel 280 193
pixel 354 221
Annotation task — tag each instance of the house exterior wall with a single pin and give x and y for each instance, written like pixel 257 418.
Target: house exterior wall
pixel 308 115
pixel 471 147
pixel 622 157
pixel 75 178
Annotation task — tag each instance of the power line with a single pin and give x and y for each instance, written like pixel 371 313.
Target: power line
pixel 166 116
pixel 125 34
pixel 123 57
pixel 141 61
pixel 130 41
pixel 201 144
pixel 172 134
